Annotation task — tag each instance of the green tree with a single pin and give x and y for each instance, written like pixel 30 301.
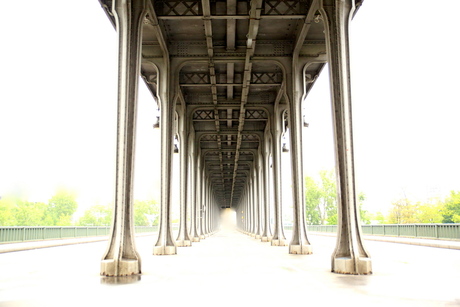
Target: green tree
pixel 7 217
pixel 29 213
pixel 329 197
pixel 321 199
pixel 146 213
pixel 312 201
pixel 403 212
pixel 61 208
pixel 379 218
pixel 430 213
pixel 97 215
pixel 364 214
pixel 451 212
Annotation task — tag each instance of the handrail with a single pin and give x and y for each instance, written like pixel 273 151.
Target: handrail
pixel 10 234
pixel 431 231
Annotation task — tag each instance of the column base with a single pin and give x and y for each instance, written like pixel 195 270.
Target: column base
pixel 279 242
pixel 183 243
pixel 120 280
pixel 346 265
pixel 164 250
pixel 300 249
pixel 265 239
pixel 202 237
pixel 124 267
pixel 196 239
pixel 258 237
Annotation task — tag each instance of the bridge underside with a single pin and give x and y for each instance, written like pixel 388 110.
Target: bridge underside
pixel 229 78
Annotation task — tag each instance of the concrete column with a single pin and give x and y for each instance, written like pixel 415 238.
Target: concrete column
pixel 252 205
pixel 192 189
pixel 183 238
pixel 349 256
pixel 165 244
pixel 121 257
pixel 295 91
pixel 197 202
pixel 191 199
pixel 212 208
pixel 242 212
pixel 207 209
pixel 257 232
pixel 278 238
pixel 202 200
pixel 246 210
pixel 260 193
pixel 266 235
pixel 238 215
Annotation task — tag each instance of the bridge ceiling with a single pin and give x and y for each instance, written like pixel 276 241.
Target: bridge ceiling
pixel 230 80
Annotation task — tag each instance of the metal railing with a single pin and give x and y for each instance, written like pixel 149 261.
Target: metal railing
pixel 37 233
pixel 431 231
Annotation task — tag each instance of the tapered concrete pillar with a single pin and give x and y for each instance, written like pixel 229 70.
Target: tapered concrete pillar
pixel 183 238
pixel 278 238
pixel 202 200
pixel 261 195
pixel 257 230
pixel 190 192
pixel 191 188
pixel 165 244
pixel 121 257
pixel 266 234
pixel 245 212
pixel 240 216
pixel 251 204
pixel 207 209
pixel 295 91
pixel 197 201
pixel 349 256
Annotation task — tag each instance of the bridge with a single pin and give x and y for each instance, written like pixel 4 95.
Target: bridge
pixel 229 78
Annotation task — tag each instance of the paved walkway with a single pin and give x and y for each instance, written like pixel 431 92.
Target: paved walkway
pixel 23 246
pixel 231 269
pixel 451 244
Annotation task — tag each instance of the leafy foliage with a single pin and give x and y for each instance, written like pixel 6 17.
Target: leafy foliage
pixel 97 215
pixel 321 201
pixel 7 216
pixel 451 212
pixel 146 213
pixel 312 202
pixel 402 212
pixel 60 208
pixel 29 213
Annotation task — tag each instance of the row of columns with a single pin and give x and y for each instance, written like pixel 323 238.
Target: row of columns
pixel 121 257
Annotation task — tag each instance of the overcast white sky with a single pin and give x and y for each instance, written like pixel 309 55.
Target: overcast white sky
pixel 58 103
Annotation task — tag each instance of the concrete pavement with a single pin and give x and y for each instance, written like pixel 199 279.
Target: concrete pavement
pixel 231 269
